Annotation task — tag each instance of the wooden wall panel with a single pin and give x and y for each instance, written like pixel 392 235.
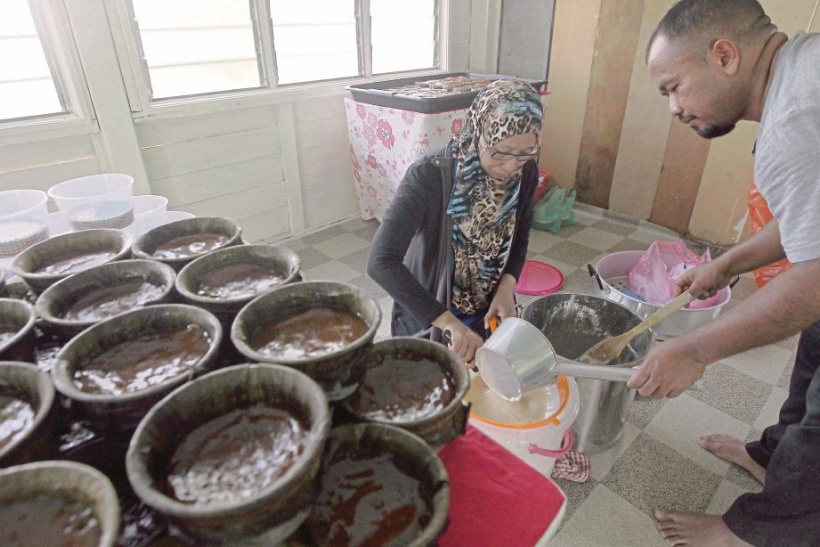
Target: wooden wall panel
pixel 679 182
pixel 645 129
pixel 573 44
pixel 720 210
pixel 619 26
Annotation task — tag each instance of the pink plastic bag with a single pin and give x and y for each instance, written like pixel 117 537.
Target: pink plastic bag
pixel 653 277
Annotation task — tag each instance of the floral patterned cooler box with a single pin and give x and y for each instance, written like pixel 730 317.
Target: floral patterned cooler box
pixel 385 141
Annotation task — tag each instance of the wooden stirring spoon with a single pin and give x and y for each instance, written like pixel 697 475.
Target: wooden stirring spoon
pixel 609 349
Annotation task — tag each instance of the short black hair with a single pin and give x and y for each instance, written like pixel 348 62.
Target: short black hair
pixel 709 19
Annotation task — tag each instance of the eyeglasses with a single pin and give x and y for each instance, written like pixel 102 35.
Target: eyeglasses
pixel 505 156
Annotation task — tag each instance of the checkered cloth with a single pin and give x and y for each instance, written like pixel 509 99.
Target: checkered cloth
pixel 572 466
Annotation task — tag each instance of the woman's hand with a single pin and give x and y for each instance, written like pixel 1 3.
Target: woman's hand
pixel 503 303
pixel 463 340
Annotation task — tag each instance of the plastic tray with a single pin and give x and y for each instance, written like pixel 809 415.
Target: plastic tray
pixel 539 278
pixel 376 93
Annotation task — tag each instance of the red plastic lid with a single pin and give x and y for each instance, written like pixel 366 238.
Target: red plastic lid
pixel 539 278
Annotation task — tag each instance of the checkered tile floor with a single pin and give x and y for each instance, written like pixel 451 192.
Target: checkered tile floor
pixel 657 463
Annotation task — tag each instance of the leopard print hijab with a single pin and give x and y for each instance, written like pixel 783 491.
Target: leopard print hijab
pixel 483 210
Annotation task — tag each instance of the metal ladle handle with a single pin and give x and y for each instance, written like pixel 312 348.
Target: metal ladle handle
pixel 598 372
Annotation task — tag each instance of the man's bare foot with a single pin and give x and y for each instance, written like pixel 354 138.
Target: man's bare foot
pixel 682 528
pixel 732 450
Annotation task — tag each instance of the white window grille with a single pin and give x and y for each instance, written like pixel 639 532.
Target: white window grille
pixel 403 35
pixel 192 47
pixel 29 82
pixel 197 47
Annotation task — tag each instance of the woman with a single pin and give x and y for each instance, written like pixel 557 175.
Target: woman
pixel 453 242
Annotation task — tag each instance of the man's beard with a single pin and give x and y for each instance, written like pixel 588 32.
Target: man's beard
pixel 713 131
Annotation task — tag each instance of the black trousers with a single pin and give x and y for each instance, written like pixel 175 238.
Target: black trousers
pixel 787 511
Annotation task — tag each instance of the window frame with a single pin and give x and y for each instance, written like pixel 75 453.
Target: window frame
pixel 138 80
pixel 53 29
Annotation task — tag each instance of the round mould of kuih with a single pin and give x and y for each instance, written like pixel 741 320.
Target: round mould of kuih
pixel 17 320
pixel 338 372
pixel 45 263
pixel 268 514
pixel 28 398
pixel 396 453
pixel 212 233
pixel 93 295
pixel 409 393
pixel 122 409
pixel 66 482
pixel 281 260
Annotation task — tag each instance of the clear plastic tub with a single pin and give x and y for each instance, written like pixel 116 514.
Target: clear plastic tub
pixel 149 212
pixel 23 220
pixel 173 216
pixel 96 201
pixel 92 188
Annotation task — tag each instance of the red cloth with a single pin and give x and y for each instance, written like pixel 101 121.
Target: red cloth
pixel 496 499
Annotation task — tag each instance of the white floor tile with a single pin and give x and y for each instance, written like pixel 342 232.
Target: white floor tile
pixel 771 410
pixel 587 217
pixel 342 245
pixel 648 235
pixel 683 420
pixel 540 241
pixel 607 520
pixel 595 238
pixel 332 271
pixel 765 363
pixel 726 494
pixel 356 224
pixel 603 462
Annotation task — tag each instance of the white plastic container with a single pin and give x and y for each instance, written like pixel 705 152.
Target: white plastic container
pixel 536 428
pixel 23 220
pixel 173 216
pixel 149 212
pixel 96 201
pixel 92 188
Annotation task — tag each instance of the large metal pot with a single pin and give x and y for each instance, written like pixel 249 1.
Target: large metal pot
pixel 573 323
pixel 612 271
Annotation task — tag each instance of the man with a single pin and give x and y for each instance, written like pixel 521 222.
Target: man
pixel 718 62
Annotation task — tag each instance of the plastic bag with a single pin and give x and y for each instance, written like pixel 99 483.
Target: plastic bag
pixel 554 210
pixel 653 277
pixel 760 216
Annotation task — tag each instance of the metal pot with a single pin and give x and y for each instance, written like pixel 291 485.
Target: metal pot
pixel 612 271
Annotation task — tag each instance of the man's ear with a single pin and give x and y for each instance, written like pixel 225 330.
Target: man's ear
pixel 726 55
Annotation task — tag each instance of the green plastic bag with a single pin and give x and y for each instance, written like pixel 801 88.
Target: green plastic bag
pixel 554 210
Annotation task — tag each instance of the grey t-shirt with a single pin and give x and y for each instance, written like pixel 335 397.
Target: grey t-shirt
pixel 787 154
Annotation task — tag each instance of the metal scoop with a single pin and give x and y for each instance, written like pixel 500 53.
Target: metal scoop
pixel 518 358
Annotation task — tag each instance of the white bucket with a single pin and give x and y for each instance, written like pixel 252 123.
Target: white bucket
pixel 536 428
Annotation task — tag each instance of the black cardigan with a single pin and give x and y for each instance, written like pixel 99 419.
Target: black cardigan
pixel 411 256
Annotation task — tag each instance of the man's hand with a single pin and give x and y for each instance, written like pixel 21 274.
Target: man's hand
pixel 705 280
pixel 668 370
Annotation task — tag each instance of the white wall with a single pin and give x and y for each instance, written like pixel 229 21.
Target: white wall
pixel 279 168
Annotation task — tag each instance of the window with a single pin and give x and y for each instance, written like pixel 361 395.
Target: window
pixel 314 40
pixel 403 35
pixel 28 84
pixel 196 47
pixel 191 47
